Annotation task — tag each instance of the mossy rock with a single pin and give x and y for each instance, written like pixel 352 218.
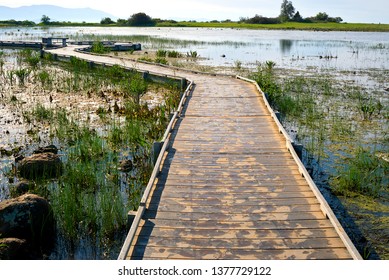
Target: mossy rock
pixel 43 165
pixel 27 217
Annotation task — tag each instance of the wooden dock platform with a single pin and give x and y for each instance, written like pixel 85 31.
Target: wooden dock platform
pixel 228 183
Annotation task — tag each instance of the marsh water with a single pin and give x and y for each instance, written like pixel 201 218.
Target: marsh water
pixel 359 58
pixel 224 47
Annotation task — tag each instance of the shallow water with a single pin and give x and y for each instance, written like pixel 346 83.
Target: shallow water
pixel 225 47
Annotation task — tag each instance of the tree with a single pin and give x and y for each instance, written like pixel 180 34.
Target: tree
pixel 297 17
pixel 45 19
pixel 106 20
pixel 121 21
pixel 287 11
pixel 322 17
pixel 141 19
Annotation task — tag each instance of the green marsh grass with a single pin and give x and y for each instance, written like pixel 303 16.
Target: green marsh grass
pixel 99 48
pixel 41 113
pixel 325 26
pixel 161 53
pixel 22 75
pixel 315 104
pixel 365 173
pixel 92 196
pixel 103 204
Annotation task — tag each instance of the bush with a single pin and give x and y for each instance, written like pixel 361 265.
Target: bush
pixel 98 47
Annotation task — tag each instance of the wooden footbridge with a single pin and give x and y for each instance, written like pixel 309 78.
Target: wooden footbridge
pixel 228 183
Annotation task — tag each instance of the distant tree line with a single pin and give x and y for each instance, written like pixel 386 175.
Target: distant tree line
pixel 17 22
pixel 288 14
pixel 139 19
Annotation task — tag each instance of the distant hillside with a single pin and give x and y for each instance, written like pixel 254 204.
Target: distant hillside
pixel 55 13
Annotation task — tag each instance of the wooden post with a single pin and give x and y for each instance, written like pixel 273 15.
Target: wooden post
pixel 130 217
pixel 183 84
pixel 299 150
pixel 145 75
pixel 157 146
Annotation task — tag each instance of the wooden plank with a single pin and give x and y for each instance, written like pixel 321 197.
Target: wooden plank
pixel 239 243
pixel 260 170
pixel 263 191
pixel 227 217
pixel 309 231
pixel 241 227
pixel 238 202
pixel 228 179
pixel 191 193
pixel 254 209
pixel 227 183
pixel 240 254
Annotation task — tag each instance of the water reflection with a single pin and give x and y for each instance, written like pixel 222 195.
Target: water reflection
pixel 286 46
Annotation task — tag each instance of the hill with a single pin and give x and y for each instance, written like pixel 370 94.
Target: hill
pixel 55 13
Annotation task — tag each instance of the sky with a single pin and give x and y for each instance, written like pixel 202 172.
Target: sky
pixel 353 11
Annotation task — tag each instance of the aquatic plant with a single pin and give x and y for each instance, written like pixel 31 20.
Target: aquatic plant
pixel 270 65
pixel 367 108
pixel 41 113
pixel 99 48
pixel 161 60
pixel 10 76
pixel 45 79
pixel 192 54
pixel 238 65
pixel 363 173
pixel 33 60
pixel 146 59
pixel 22 75
pixel 134 88
pixel 173 54
pixel 161 53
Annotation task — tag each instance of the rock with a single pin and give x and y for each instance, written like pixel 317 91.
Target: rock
pixel 19 158
pixel 14 249
pixel 5 152
pixel 21 188
pixel 48 149
pixel 27 217
pixel 126 165
pixel 44 165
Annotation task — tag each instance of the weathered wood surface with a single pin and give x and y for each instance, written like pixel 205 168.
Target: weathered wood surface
pixel 228 187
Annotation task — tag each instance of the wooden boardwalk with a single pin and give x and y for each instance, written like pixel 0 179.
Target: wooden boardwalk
pixel 229 187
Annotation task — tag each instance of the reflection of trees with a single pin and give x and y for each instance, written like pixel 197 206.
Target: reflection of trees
pixel 286 45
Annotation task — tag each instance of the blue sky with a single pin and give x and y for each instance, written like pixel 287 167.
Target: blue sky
pixel 373 11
